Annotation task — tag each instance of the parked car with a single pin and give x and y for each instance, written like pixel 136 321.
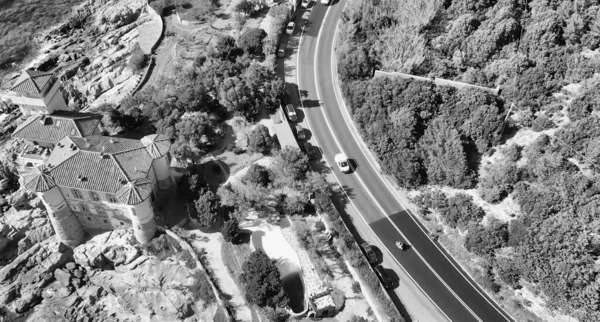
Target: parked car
pixel 305 3
pixel 385 278
pixel 291 112
pixel 300 132
pixel 325 2
pixel 311 151
pixel 368 249
pixel 290 27
pixel 281 52
pixel 343 163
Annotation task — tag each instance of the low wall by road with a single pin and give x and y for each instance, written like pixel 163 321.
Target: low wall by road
pixel 437 81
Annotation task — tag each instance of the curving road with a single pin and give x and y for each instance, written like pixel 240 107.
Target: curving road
pixel 449 288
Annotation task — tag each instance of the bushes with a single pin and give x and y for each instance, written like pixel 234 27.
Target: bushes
pixel 262 282
pixel 259 140
pixel 484 241
pixel 138 59
pixel 231 230
pixel 259 175
pixel 251 41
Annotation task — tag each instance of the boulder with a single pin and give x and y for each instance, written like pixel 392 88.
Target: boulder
pixel 35 236
pixel 63 277
pixel 78 273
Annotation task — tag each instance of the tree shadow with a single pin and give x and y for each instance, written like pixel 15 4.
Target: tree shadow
pixel 311 103
pixel 396 283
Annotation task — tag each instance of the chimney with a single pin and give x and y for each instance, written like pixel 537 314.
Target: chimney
pixel 80 177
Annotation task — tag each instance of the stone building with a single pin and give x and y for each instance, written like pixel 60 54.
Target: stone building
pixel 88 182
pixel 37 93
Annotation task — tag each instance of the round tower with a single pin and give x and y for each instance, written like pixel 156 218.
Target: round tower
pixel 158 147
pixel 65 223
pixel 136 194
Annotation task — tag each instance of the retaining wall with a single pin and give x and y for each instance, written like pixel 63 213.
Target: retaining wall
pixel 437 81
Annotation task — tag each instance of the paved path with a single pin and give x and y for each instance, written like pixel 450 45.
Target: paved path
pixel 378 209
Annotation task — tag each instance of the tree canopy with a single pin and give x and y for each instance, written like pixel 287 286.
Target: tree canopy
pixel 262 281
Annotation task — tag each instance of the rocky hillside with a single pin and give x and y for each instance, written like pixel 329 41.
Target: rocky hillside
pixel 109 278
pixel 90 50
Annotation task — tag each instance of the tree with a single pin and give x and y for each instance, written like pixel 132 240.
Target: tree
pixel 290 164
pixel 258 174
pixel 460 211
pixel 484 241
pixel 259 140
pixel 355 63
pixel 245 6
pixel 508 271
pixel 357 318
pixel 231 230
pixel 208 208
pixel 251 41
pixel 443 156
pixel 227 48
pixel 262 282
pixel 138 59
pixel 190 185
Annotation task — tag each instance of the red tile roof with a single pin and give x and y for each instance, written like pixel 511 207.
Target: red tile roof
pixel 54 127
pixel 31 81
pixel 135 192
pixel 39 180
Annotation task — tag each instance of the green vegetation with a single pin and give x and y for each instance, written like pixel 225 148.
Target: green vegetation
pixel 191 107
pixel 259 140
pixel 138 59
pixel 425 134
pixel 262 281
pixel 21 22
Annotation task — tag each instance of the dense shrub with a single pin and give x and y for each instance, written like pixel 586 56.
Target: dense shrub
pixel 259 140
pixel 231 230
pixel 508 272
pixel 258 174
pixel 138 59
pixel 251 41
pixel 485 240
pixel 262 282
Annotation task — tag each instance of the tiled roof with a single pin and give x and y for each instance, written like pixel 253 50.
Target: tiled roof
pixel 54 127
pixel 134 192
pixel 39 180
pixel 157 145
pixel 99 163
pixel 31 81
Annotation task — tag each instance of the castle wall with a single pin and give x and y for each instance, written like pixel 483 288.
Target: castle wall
pixel 163 171
pixel 144 226
pixel 65 223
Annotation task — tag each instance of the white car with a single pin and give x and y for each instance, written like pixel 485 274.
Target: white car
pixel 290 28
pixel 305 3
pixel 325 2
pixel 342 162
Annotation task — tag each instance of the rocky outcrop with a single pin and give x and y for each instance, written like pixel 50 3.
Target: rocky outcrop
pixel 90 50
pixel 110 277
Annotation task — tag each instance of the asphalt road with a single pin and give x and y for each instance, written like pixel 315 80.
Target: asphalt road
pixel 432 269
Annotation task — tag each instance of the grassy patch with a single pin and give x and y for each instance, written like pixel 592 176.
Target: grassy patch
pixel 21 21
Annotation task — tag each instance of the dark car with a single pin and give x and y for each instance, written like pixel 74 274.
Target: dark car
pixel 310 150
pixel 385 278
pixel 300 132
pixel 368 249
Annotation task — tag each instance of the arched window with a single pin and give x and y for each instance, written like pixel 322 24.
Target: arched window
pixel 76 194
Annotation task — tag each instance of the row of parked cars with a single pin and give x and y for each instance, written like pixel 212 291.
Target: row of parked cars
pixel 291 26
pixel 383 275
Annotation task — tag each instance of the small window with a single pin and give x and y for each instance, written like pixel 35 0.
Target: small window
pixel 111 198
pixel 133 212
pixel 94 196
pixel 76 194
pixel 89 218
pixel 100 210
pixel 74 207
pixel 105 221
pixel 122 223
pixel 85 208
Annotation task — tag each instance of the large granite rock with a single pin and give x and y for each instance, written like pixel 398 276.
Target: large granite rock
pixel 109 278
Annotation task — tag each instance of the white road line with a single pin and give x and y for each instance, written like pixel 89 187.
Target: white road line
pixel 369 192
pixel 368 156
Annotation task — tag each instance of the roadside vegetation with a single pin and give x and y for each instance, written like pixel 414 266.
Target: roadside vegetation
pixel 467 162
pixel 21 22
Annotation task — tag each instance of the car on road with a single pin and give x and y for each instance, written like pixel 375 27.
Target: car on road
pixel 325 2
pixel 384 277
pixel 289 29
pixel 311 151
pixel 281 52
pixel 300 132
pixel 368 249
pixel 291 112
pixel 305 3
pixel 343 163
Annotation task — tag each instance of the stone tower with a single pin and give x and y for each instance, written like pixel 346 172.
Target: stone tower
pixel 66 225
pixel 158 147
pixel 136 195
pixel 37 93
